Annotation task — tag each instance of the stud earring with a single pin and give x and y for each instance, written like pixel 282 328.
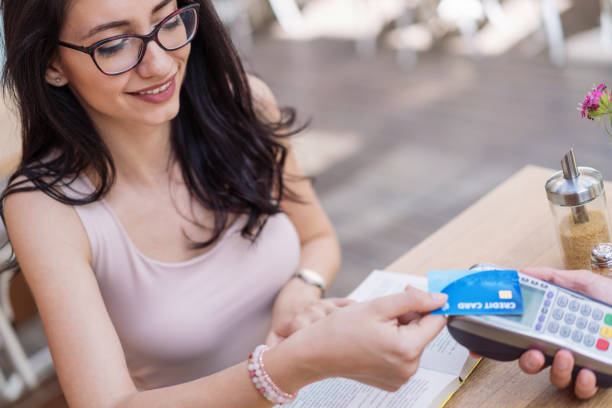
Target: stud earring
pixel 58 80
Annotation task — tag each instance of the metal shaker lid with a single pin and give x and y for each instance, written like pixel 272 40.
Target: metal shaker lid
pixel 574 185
pixel 601 255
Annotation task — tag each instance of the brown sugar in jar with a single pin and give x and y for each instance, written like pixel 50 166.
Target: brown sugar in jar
pixel 579 207
pixel 577 240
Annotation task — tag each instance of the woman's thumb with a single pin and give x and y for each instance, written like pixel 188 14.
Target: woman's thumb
pixel 412 300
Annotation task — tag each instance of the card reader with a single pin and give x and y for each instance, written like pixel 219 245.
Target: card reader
pixel 554 318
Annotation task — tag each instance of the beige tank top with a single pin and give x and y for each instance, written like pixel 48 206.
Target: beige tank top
pixel 182 321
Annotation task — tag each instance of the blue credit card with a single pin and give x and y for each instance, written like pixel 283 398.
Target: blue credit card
pixel 477 292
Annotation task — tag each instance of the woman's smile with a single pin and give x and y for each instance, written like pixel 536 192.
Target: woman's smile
pixel 157 93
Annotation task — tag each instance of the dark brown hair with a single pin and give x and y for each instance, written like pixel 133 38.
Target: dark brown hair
pixel 231 159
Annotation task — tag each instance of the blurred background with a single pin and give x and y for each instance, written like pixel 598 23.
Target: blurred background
pixel 417 108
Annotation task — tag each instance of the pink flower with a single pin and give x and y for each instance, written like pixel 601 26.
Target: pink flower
pixel 591 101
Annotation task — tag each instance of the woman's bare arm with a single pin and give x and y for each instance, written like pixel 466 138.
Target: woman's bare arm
pixel 364 341
pixel 53 251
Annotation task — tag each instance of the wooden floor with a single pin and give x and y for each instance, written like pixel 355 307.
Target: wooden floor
pixel 398 153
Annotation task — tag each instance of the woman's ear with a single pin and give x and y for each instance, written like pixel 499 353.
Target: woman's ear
pixel 54 75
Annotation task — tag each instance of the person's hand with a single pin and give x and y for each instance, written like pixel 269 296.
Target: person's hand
pixel 378 343
pixel 533 361
pixel 298 305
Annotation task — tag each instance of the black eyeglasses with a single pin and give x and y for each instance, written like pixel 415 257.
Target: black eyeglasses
pixel 119 54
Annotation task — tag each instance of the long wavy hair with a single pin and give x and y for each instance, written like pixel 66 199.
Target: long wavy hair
pixel 230 158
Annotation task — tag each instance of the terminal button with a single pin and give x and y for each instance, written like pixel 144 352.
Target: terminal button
pixel 589 340
pixel 558 314
pixel 574 306
pixel 553 327
pixel 562 301
pixel 602 344
pixel 585 310
pixel 597 314
pixel 593 327
pixel 565 331
pixel 549 295
pixel 577 336
pixel 581 323
pixel 608 319
pixel 570 318
pixel 606 332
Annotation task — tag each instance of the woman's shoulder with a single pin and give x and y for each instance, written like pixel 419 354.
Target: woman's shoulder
pixel 36 218
pixel 264 101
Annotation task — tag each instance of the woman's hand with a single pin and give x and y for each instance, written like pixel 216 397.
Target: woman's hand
pixel 298 305
pixel 371 342
pixel 532 361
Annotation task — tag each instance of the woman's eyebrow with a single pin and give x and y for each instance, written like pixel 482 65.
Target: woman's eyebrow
pixel 105 26
pixel 160 6
pixel 115 24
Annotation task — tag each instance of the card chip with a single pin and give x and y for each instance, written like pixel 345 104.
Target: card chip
pixel 505 294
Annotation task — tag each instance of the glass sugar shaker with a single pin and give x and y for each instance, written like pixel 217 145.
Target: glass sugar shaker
pixel 601 259
pixel 578 203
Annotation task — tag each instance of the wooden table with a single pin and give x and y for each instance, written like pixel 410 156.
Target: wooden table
pixel 510 226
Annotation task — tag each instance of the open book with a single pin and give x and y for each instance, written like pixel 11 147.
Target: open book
pixel 444 365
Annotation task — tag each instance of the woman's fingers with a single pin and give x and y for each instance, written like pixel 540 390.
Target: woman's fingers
pixel 580 280
pixel 341 302
pixel 412 300
pixel 408 317
pixel 422 331
pixel 273 339
pixel 532 361
pixel 332 304
pixel 561 370
pixel 586 384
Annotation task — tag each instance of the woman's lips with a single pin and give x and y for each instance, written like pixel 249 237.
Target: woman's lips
pixel 158 94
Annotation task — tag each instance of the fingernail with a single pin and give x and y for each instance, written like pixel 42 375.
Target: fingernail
pixel 439 296
pixel 582 380
pixel 531 363
pixel 562 365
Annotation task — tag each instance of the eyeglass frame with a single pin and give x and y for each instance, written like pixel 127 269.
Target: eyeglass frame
pixel 146 39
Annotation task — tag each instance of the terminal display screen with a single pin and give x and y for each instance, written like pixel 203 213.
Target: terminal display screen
pixel 532 299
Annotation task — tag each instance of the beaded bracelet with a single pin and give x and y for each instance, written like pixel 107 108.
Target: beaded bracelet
pixel 262 380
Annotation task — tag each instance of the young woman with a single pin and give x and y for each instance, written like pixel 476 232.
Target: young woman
pixel 159 218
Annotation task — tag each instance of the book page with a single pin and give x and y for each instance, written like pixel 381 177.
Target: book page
pixel 437 377
pixel 443 353
pixel 424 389
pixel 381 283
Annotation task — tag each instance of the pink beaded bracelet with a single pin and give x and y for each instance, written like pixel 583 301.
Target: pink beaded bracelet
pixel 262 380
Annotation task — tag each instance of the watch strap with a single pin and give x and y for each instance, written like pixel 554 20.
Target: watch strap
pixel 312 277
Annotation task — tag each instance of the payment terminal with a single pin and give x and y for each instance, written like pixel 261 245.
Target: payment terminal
pixel 554 318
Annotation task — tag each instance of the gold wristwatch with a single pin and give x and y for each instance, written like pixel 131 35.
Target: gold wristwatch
pixel 312 278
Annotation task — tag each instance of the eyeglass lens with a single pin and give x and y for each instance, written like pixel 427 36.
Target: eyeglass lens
pixel 119 55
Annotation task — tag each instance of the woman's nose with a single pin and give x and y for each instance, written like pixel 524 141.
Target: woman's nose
pixel 155 62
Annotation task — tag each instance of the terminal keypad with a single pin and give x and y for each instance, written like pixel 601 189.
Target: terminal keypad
pixel 572 318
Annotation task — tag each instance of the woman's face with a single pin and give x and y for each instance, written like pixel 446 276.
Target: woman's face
pixel 148 94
